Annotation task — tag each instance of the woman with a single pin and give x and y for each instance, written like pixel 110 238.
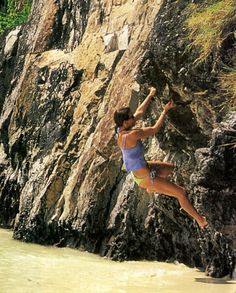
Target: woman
pixel 151 176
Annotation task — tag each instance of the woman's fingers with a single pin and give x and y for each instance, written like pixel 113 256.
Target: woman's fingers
pixel 171 104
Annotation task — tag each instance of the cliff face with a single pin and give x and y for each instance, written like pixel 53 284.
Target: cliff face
pixel 62 76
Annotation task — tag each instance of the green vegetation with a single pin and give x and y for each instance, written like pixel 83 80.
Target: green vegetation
pixel 210 23
pixel 228 84
pixel 16 13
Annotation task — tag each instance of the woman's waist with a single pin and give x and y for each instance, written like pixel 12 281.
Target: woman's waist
pixel 133 165
pixel 141 172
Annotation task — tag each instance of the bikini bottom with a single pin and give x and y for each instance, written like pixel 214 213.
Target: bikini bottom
pixel 152 175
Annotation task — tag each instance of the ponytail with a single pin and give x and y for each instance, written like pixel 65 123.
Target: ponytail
pixel 116 129
pixel 119 117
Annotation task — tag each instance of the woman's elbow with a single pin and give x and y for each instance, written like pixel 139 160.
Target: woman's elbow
pixel 153 131
pixel 156 130
pixel 139 114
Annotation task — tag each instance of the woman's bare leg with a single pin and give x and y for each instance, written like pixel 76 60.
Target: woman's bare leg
pixel 166 187
pixel 163 169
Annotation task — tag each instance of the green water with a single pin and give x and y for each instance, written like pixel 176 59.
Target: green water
pixel 40 269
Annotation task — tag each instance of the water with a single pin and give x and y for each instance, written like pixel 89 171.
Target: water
pixel 31 268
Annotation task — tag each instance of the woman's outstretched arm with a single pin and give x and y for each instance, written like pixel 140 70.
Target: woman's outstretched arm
pixel 143 107
pixel 148 131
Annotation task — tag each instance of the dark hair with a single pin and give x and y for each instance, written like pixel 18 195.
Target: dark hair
pixel 120 116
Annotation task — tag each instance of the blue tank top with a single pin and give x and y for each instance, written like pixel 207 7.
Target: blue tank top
pixel 133 157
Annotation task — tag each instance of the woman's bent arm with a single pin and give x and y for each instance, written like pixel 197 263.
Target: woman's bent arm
pixel 149 131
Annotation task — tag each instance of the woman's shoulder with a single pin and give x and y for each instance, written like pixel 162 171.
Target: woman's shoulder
pixel 127 137
pixel 129 133
pixel 134 133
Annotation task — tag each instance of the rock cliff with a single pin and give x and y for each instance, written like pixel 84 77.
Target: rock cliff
pixel 62 76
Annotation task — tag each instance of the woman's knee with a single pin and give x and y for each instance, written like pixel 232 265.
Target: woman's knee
pixel 181 194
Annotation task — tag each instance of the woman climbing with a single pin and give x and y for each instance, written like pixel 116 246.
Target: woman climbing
pixel 151 176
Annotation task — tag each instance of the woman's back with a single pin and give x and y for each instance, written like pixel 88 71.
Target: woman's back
pixel 133 156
